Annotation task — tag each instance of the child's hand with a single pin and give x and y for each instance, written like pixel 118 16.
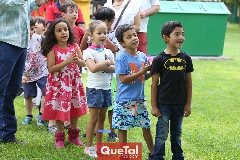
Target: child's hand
pixel 156 112
pixel 150 64
pixel 187 110
pixel 75 55
pixel 142 15
pixel 108 62
pixel 24 79
pixel 70 59
pixel 146 67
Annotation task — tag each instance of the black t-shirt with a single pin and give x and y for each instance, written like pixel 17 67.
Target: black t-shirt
pixel 173 70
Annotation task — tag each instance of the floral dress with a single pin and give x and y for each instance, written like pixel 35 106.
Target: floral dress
pixel 65 96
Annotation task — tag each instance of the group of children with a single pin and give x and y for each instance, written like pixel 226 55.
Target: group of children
pixel 67 49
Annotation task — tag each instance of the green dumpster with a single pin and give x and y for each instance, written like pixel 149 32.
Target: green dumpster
pixel 204 25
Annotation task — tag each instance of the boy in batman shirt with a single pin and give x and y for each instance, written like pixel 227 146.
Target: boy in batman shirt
pixel 171 91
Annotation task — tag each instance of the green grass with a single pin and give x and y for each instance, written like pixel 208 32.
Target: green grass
pixel 212 132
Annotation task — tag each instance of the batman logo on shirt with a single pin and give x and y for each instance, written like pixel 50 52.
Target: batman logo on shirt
pixel 175 64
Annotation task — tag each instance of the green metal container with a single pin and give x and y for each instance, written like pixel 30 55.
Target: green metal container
pixel 204 25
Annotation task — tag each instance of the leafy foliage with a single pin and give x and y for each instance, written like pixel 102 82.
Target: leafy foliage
pixel 231 2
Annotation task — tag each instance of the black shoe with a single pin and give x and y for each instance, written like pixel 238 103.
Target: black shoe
pixel 14 141
pixel 20 92
pixel 112 137
pixel 150 156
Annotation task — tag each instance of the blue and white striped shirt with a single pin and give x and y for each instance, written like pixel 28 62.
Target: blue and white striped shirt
pixel 15 21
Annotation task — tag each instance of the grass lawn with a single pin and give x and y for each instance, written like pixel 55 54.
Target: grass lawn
pixel 212 132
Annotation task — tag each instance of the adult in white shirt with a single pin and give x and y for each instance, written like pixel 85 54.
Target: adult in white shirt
pixel 131 14
pixel 148 8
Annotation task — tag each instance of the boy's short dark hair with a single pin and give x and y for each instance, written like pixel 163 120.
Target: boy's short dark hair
pixel 122 29
pixel 41 20
pixel 104 13
pixel 66 4
pixel 168 27
pixel 32 21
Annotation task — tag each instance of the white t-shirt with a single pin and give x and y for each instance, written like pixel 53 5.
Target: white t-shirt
pixel 101 79
pixel 35 65
pixel 146 4
pixel 130 12
pixel 128 16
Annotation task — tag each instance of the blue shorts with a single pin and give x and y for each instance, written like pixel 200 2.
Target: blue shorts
pixel 129 114
pixel 30 89
pixel 98 98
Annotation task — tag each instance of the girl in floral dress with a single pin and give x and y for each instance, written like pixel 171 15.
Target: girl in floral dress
pixel 65 98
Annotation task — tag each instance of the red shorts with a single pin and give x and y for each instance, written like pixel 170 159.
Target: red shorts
pixel 142 46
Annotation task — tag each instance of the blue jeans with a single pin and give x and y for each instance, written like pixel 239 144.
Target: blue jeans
pixel 12 62
pixel 174 115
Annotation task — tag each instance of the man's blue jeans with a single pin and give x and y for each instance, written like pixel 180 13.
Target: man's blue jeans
pixel 174 115
pixel 12 62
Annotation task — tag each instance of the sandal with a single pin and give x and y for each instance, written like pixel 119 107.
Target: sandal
pixel 52 129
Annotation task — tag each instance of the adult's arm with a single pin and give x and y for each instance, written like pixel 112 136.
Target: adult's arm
pixel 136 25
pixel 4 3
pixel 149 12
pixel 16 3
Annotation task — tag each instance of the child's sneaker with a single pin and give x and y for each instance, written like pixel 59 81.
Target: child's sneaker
pixel 52 129
pixel 20 92
pixel 112 137
pixel 27 120
pixel 40 122
pixel 150 156
pixel 91 151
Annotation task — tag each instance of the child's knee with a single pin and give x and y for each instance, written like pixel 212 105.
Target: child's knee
pixel 29 99
pixel 146 130
pixel 101 119
pixel 93 120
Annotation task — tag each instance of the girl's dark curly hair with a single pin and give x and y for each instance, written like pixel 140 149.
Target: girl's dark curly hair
pixel 50 40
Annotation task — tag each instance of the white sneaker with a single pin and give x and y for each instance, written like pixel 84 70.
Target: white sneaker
pixel 91 151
